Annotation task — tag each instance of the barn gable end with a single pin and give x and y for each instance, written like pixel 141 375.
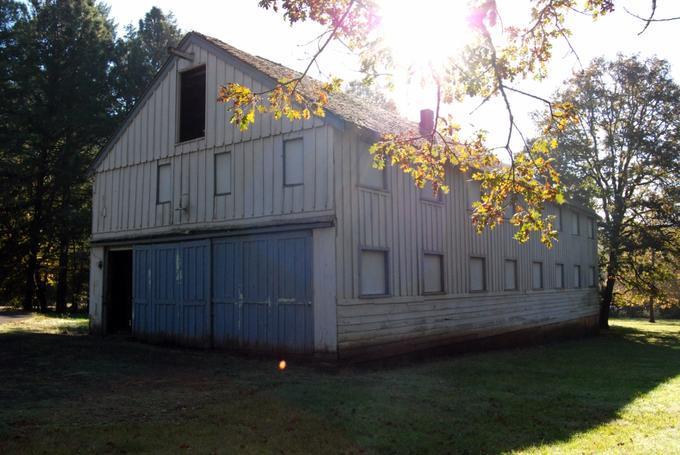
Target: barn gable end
pixel 126 172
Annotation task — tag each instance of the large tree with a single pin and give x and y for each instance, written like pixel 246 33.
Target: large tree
pixel 12 200
pixel 64 82
pixel 623 156
pixel 56 110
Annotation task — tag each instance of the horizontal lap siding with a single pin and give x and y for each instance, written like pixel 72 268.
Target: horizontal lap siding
pixel 124 196
pixel 376 323
pixel 407 225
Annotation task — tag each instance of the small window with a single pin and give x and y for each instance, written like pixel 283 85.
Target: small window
pixel 477 274
pixel 576 223
pixel 559 276
pixel 509 211
pixel 293 162
pixel 369 176
pixel 510 275
pixel 428 194
pixel 558 221
pixel 592 277
pixel 192 104
pixel 577 276
pixel 222 173
pixel 164 184
pixel 373 273
pixel 537 275
pixel 433 273
pixel 591 228
pixel 474 193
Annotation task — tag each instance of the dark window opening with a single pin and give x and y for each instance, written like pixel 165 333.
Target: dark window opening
pixel 192 104
pixel 118 304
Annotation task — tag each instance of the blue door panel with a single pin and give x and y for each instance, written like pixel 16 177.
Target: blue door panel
pixel 248 292
pixel 262 292
pixel 170 290
pixel 141 290
pixel 194 313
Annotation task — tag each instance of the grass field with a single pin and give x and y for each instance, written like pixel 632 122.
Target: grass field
pixel 62 392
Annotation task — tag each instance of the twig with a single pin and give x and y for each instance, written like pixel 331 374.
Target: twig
pixel 651 18
pixel 296 81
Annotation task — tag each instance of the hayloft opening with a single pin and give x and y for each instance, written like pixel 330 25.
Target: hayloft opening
pixel 192 104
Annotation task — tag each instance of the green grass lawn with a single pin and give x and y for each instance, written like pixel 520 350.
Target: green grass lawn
pixel 62 392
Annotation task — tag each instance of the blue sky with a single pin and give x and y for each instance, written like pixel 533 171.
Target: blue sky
pixel 243 24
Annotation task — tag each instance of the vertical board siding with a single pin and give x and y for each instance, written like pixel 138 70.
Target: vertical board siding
pixel 262 293
pixel 400 221
pixel 125 180
pixel 254 278
pixel 170 283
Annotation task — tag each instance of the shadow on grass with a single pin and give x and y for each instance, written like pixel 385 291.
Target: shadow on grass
pixel 482 403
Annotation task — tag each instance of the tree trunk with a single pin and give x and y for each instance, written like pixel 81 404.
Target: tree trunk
pixel 652 292
pixel 62 278
pixel 605 303
pixel 31 271
pixel 30 278
pixel 41 290
pixel 608 291
pixel 612 271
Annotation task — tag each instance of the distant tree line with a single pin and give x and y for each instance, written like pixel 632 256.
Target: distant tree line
pixel 66 82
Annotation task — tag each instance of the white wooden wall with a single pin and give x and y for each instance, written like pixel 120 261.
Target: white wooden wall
pixel 124 199
pixel 398 220
pixel 406 224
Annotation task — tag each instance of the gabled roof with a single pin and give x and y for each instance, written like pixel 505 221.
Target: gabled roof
pixel 347 107
pixel 343 106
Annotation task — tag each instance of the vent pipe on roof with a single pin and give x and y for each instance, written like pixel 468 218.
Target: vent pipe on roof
pixel 426 122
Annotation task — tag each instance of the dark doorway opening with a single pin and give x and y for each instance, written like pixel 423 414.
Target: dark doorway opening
pixel 119 292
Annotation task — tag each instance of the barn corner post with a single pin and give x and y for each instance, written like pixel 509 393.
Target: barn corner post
pixel 324 292
pixel 96 290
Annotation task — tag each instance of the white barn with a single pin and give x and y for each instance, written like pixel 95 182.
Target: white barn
pixel 284 238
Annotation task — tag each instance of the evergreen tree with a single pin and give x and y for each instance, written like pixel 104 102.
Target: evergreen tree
pixel 64 81
pixel 140 54
pixel 61 104
pixel 12 196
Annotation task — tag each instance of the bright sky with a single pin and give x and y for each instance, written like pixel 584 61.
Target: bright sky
pixel 421 34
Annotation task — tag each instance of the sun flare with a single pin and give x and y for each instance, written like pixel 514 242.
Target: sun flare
pixel 422 36
pixel 424 33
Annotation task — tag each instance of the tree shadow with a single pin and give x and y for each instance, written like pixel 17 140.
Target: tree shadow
pixel 501 401
pixel 479 403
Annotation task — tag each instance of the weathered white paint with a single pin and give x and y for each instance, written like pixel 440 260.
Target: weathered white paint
pixel 96 289
pixel 125 186
pixel 371 210
pixel 396 319
pixel 325 318
pixel 407 225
